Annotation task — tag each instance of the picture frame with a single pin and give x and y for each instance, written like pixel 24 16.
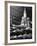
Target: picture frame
pixel 11 9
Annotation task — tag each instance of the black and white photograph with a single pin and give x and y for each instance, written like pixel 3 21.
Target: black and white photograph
pixel 21 22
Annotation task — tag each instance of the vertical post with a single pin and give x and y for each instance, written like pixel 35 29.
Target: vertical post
pixel 24 17
pixel 28 25
pixel 24 12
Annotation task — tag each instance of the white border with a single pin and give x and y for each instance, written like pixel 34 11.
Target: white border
pixel 33 23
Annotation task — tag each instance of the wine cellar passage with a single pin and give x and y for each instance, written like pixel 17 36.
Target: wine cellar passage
pixel 20 22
